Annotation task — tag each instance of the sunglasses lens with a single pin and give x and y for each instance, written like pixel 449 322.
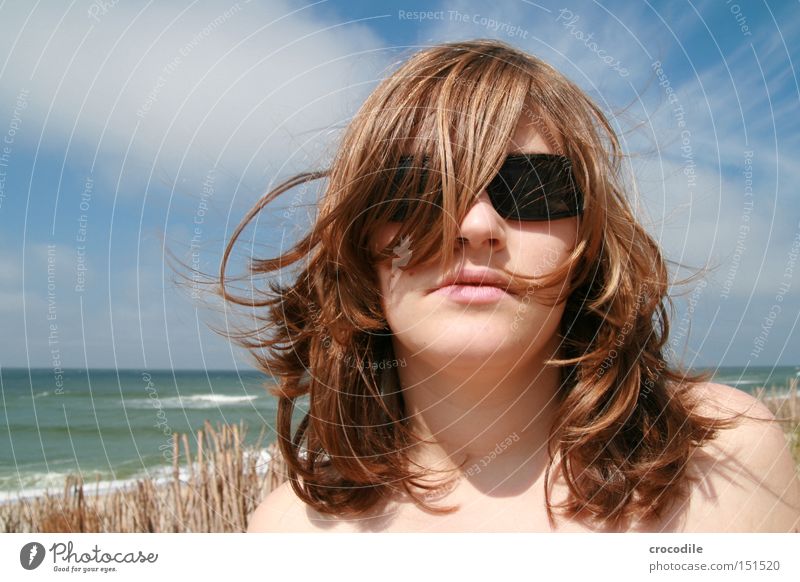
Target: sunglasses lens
pixel 535 187
pixel 528 187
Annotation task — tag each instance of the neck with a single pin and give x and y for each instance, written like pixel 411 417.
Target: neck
pixel 492 416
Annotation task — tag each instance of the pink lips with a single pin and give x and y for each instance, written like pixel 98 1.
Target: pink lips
pixel 475 286
pixel 472 293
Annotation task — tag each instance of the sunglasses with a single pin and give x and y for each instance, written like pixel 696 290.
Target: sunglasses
pixel 530 187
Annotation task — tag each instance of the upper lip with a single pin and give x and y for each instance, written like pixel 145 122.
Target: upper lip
pixel 483 277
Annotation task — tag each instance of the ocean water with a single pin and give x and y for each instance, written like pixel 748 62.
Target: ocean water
pixel 748 379
pixel 114 425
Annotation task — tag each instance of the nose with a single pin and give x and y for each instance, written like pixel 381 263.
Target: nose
pixel 482 226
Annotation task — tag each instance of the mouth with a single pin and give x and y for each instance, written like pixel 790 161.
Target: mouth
pixel 475 284
pixel 472 294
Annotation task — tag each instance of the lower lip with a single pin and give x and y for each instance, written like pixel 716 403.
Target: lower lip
pixel 472 293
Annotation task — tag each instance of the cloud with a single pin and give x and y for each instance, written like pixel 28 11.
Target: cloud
pixel 169 90
pixel 180 84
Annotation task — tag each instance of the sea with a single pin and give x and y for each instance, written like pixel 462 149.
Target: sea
pixel 114 427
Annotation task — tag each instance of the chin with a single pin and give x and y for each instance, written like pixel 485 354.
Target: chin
pixel 468 337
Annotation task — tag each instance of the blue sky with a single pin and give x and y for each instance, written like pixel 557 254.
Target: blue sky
pixel 112 119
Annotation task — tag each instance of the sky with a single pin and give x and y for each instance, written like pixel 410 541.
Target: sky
pixel 135 131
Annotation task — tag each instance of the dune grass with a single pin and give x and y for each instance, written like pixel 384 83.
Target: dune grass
pixel 224 485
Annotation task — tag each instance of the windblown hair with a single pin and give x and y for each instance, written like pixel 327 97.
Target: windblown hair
pixel 627 423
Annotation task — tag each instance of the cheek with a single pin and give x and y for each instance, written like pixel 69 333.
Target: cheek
pixel 384 274
pixel 395 279
pixel 543 247
pixel 396 285
pixel 380 240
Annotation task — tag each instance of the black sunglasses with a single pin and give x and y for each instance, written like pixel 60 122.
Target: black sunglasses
pixel 527 187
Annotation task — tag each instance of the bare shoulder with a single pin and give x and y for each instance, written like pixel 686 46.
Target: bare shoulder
pixel 282 511
pixel 722 400
pixel 279 511
pixel 748 477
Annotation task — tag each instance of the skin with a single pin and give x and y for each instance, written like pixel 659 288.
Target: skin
pixel 474 380
pixel 746 482
pixel 474 373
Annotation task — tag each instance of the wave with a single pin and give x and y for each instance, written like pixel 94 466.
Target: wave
pixel 736 382
pixel 29 484
pixel 194 401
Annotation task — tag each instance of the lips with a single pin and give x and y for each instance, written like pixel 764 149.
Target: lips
pixel 478 277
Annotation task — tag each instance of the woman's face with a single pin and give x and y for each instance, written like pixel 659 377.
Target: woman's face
pixel 444 328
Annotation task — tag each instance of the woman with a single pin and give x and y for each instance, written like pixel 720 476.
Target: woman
pixel 480 330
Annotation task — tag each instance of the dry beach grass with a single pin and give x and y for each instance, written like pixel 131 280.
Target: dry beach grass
pixel 221 483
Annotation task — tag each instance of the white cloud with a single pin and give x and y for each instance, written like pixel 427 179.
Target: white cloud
pixel 185 83
pixel 163 86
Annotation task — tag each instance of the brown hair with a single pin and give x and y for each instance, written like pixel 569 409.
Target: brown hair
pixel 627 425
